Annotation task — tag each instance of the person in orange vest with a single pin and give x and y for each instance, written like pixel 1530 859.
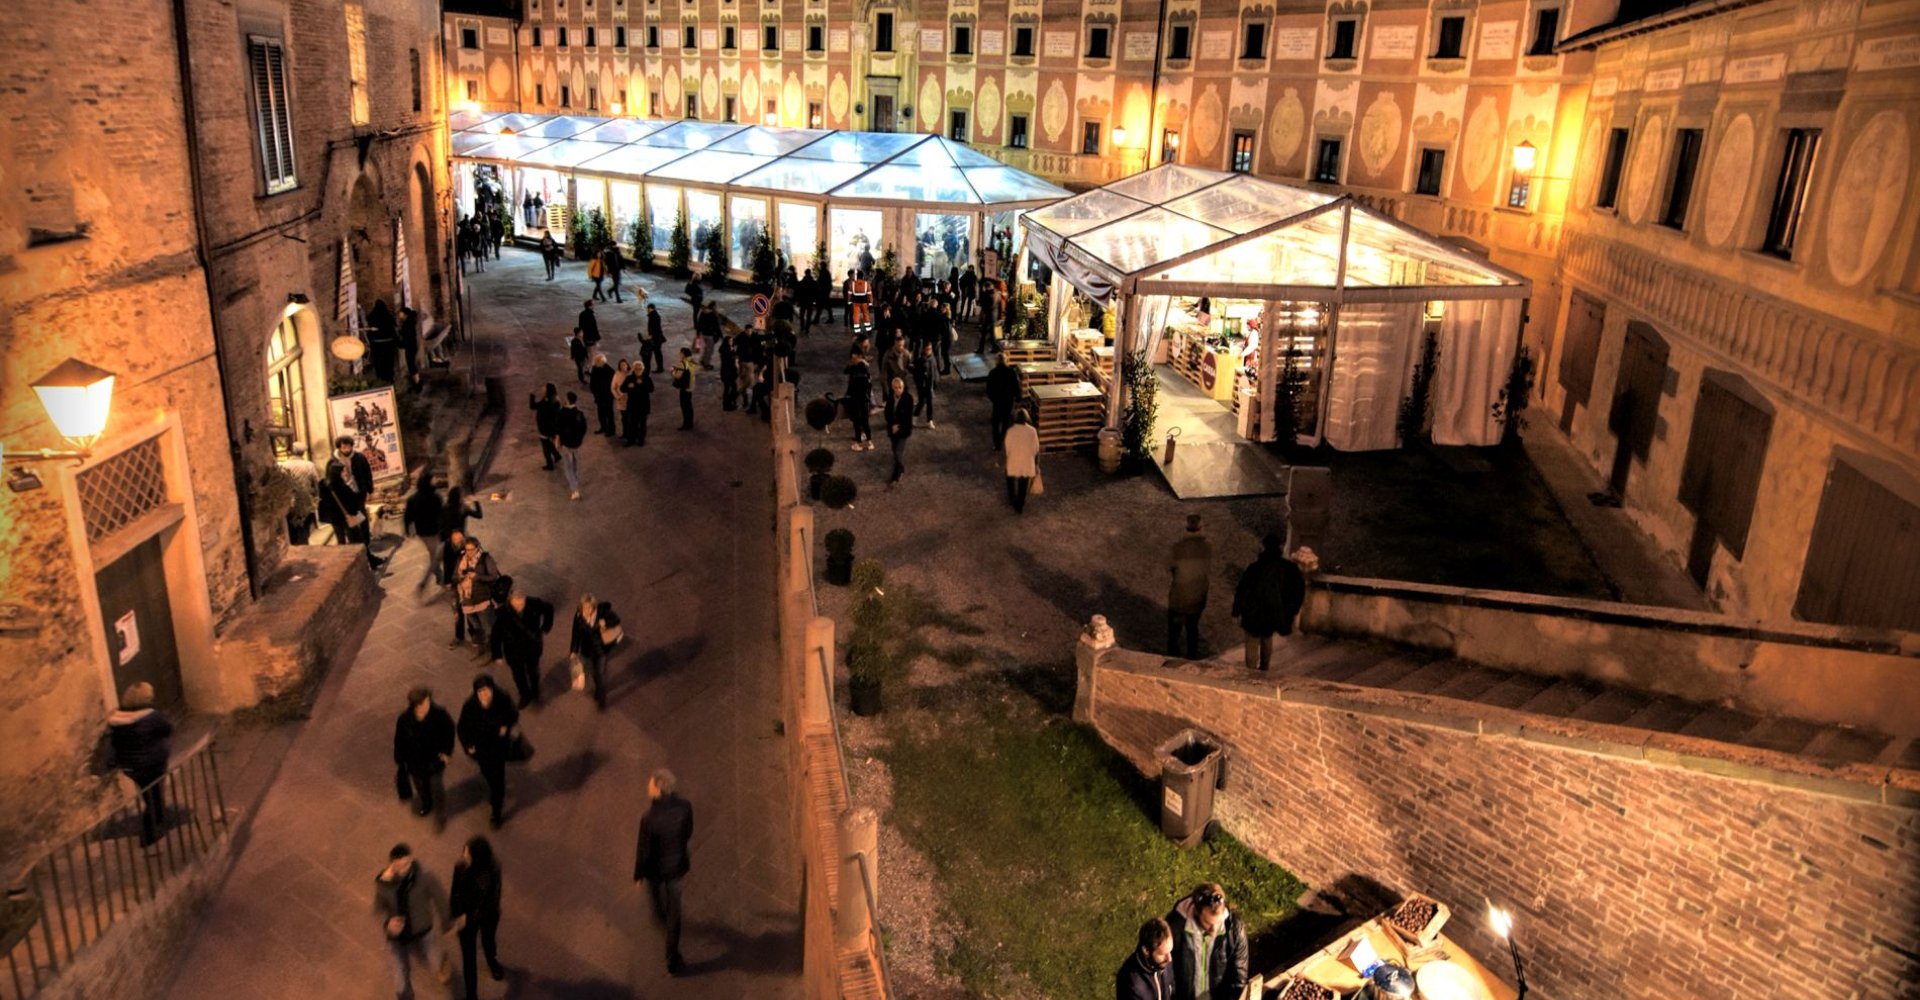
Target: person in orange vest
pixel 859 300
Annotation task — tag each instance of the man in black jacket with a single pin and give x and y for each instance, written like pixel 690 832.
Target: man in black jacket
pixel 661 857
pixel 572 432
pixel 589 325
pixel 1148 972
pixel 343 496
pixel 546 423
pixel 600 383
pixel 1209 947
pixel 422 743
pixel 899 427
pixel 486 725
pixel 654 343
pixel 1267 600
pixel 1003 391
pixel 519 637
pixel 141 737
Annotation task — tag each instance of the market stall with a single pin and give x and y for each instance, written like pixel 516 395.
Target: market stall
pixel 1401 953
pixel 938 203
pixel 1253 295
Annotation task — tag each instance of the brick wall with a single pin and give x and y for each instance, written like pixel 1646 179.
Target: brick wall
pixel 1635 872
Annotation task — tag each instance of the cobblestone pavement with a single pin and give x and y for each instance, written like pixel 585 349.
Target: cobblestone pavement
pixel 676 536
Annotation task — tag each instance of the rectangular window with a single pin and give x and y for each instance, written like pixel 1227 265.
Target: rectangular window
pixel 1023 41
pixel 566 95
pixel 1180 42
pixel 1686 158
pixel 1017 132
pixel 815 118
pixel 769 37
pixel 536 36
pixel 1090 137
pixel 413 63
pixel 693 105
pixel 1169 146
pixel 1446 40
pixel 773 112
pixel 592 42
pixel 653 104
pixel 728 109
pixel 957 126
pixel 1546 31
pixel 1790 192
pixel 1097 47
pixel 1326 162
pixel 962 40
pixel 1345 32
pixel 1254 45
pixel 1433 164
pixel 883 32
pixel 540 94
pixel 1608 190
pixel 653 36
pixel 728 38
pixel 593 98
pixel 619 36
pixel 816 38
pixel 1242 153
pixel 473 90
pixel 362 100
pixel 688 40
pixel 272 119
pixel 469 38
pixel 563 36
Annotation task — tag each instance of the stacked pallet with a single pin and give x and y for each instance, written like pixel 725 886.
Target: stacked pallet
pixel 1069 415
pixel 1033 373
pixel 1022 351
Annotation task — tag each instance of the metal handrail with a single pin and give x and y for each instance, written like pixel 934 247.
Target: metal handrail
pixel 75 893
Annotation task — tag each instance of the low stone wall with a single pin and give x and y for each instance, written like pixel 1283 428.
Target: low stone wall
pixel 143 950
pixel 1640 865
pixel 1822 673
pixel 319 606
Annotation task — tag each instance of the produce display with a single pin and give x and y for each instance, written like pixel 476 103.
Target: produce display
pixel 1303 989
pixel 1414 915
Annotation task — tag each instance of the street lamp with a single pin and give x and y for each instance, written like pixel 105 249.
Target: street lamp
pixel 77 397
pixel 1502 921
pixel 1119 135
pixel 1518 191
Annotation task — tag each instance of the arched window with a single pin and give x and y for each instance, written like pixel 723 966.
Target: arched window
pixel 286 389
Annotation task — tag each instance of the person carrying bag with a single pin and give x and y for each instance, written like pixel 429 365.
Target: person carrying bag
pixel 596 631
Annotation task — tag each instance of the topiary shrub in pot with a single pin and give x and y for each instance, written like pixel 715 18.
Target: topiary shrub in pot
pixel 838 492
pixel 868 659
pixel 819 464
pixel 820 413
pixel 840 557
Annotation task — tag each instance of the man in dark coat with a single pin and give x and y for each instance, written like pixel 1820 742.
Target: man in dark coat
pixel 589 325
pixel 344 490
pixel 729 373
pixel 577 350
pixel 654 343
pixel 572 434
pixel 546 423
pixel 1190 569
pixel 1003 391
pixel 899 427
pixel 411 906
pixel 706 323
pixel 638 388
pixel 422 743
pixel 610 265
pixel 1148 972
pixel 424 511
pixel 662 856
pixel 600 383
pixel 1268 599
pixel 141 737
pixel 486 725
pixel 519 637
pixel 410 341
pixel 383 340
pixel 1209 947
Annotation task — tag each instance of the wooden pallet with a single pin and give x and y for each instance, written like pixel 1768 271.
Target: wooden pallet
pixel 1069 415
pixel 1037 373
pixel 1023 351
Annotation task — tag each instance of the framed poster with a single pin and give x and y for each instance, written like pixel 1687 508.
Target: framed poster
pixel 371 417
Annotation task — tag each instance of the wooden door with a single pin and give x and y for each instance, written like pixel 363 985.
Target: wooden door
pixel 1863 561
pixel 139 623
pixel 1579 349
pixel 1636 400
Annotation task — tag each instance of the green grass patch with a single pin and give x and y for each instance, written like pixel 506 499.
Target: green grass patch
pixel 1047 855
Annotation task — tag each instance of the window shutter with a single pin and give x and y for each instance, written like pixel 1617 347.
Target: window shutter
pixel 272 119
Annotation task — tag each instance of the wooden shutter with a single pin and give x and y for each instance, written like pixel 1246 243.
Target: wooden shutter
pixel 1726 455
pixel 1863 561
pixel 1580 348
pixel 272 119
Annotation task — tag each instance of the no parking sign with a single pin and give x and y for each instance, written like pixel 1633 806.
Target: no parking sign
pixel 761 304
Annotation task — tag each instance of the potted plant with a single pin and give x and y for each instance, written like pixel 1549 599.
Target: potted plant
pixel 838 492
pixel 679 247
pixel 819 463
pixel 719 266
pixel 868 659
pixel 643 241
pixel 839 557
pixel 766 262
pixel 821 412
pixel 1143 408
pixel 1509 407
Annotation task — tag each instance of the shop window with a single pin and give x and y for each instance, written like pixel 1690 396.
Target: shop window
pixel 773 112
pixel 1098 37
pixel 469 38
pixel 1254 42
pixel 770 37
pixel 1017 132
pixel 1447 38
pixel 1433 163
pixel 962 40
pixel 653 36
pixel 540 94
pixel 1790 191
pixel 728 40
pixel 1169 146
pixel 957 126
pixel 688 38
pixel 1242 153
pixel 815 117
pixel 1546 31
pixel 619 36
pixel 286 390
pixel 272 119
pixel 1180 43
pixel 1680 174
pixel 1608 191
pixel 1865 543
pixel 1090 138
pixel 883 31
pixel 593 98
pixel 816 38
pixel 1023 41
pixel 1326 162
pixel 1346 32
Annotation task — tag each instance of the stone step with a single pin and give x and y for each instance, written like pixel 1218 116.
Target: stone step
pixel 1469 685
pixel 1514 691
pixel 1433 675
pixel 1563 698
pixel 1723 725
pixel 1663 714
pixel 1613 707
pixel 1354 661
pixel 1784 735
pixel 1847 745
pixel 1385 673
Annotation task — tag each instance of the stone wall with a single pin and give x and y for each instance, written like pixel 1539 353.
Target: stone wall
pixel 1639 865
pixel 1822 673
pixel 283 645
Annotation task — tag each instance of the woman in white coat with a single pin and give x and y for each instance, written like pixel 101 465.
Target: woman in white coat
pixel 1023 459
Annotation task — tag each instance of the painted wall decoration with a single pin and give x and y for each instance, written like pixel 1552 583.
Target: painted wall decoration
pixel 1380 130
pixel 987 105
pixel 837 97
pixel 1867 197
pixel 710 93
pixel 1644 174
pixel 1482 142
pixel 791 100
pixel 1208 116
pixel 750 109
pixel 930 103
pixel 1589 170
pixel 1726 189
pixel 1053 111
pixel 1286 125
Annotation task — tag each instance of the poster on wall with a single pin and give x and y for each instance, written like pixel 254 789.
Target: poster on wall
pixel 372 418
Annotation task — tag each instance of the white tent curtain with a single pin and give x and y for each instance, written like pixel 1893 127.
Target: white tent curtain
pixel 1373 351
pixel 1477 343
pixel 402 267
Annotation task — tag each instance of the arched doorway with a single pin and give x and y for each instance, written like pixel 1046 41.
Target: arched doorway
pixel 423 240
pixel 370 232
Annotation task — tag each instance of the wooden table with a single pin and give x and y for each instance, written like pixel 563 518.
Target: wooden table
pixel 1442 947
pixel 1037 373
pixel 1068 415
pixel 1019 351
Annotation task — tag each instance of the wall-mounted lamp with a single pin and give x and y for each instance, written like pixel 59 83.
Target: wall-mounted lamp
pixel 1522 185
pixel 1523 158
pixel 77 397
pixel 615 107
pixel 859 108
pixel 1119 135
pixel 771 118
pixel 1169 146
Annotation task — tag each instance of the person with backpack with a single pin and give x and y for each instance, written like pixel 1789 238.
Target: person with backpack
pixel 549 254
pixel 572 432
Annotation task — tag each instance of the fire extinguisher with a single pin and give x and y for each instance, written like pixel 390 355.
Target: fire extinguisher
pixel 1166 459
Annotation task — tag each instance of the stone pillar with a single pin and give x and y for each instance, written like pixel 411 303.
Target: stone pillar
pixel 1095 640
pixel 859 842
pixel 816 681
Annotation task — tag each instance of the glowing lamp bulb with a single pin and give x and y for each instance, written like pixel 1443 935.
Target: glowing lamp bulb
pixel 1501 919
pixel 77 397
pixel 1523 158
pixel 1119 135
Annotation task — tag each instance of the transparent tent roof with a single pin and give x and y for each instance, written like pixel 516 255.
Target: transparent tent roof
pixel 869 166
pixel 1195 231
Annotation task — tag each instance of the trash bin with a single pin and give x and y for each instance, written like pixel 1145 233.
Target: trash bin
pixel 1191 765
